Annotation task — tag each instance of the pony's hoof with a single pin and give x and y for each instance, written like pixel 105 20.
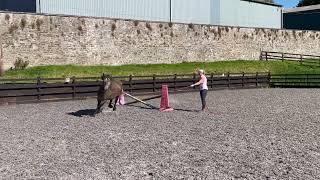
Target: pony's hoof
pixel 110 106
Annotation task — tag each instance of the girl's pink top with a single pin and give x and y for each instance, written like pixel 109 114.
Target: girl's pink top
pixel 204 83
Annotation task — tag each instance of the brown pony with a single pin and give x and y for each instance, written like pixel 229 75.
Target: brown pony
pixel 109 90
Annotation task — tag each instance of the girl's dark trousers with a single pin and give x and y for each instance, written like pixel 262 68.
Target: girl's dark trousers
pixel 203 95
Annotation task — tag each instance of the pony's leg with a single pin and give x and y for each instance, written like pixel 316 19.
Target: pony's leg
pixel 99 106
pixel 98 109
pixel 115 103
pixel 110 104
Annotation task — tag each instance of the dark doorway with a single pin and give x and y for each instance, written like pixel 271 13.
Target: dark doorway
pixel 18 5
pixel 303 20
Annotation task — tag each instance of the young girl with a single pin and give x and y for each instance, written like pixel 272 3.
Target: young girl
pixel 203 88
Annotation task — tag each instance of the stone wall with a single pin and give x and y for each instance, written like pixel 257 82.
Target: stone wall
pixel 44 40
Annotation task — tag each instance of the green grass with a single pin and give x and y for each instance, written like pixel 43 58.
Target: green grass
pixel 274 67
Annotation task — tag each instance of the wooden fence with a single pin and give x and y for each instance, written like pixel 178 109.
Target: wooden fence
pixel 48 89
pixel 295 80
pixel 309 60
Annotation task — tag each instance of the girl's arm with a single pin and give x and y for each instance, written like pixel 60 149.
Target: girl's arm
pixel 198 83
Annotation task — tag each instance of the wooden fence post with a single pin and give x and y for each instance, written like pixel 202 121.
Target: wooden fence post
pixel 301 59
pixel 73 79
pixel 211 80
pixel 269 79
pixel 257 74
pixel 266 56
pixel 194 80
pixel 282 56
pixel 130 83
pixel 154 82
pixel 175 82
pixel 38 88
pixel 242 79
pixel 228 78
pixel 73 87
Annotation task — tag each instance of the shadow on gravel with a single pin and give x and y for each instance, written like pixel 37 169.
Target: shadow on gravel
pixel 141 107
pixel 176 109
pixel 187 110
pixel 81 113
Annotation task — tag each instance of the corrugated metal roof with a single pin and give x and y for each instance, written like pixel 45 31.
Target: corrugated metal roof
pixel 266 2
pixel 304 8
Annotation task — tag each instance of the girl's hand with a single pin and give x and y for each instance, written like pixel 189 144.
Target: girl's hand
pixel 192 85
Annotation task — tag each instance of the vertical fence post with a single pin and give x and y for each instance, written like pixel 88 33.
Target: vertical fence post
pixel 282 56
pixel 175 82
pixel 242 79
pixel 260 56
pixel 154 82
pixel 228 79
pixel 301 59
pixel 211 80
pixel 73 87
pixel 266 56
pixel 73 79
pixel 257 74
pixel 269 79
pixel 194 80
pixel 130 83
pixel 38 88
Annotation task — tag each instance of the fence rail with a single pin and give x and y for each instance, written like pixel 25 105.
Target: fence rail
pixel 52 89
pixel 295 80
pixel 303 59
pixel 47 89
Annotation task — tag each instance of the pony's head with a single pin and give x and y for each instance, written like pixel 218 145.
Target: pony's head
pixel 106 82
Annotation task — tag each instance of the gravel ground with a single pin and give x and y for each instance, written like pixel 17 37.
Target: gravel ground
pixel 246 134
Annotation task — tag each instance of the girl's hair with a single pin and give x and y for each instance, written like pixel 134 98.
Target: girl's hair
pixel 201 71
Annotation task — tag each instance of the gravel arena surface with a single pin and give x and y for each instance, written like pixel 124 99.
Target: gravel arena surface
pixel 246 134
